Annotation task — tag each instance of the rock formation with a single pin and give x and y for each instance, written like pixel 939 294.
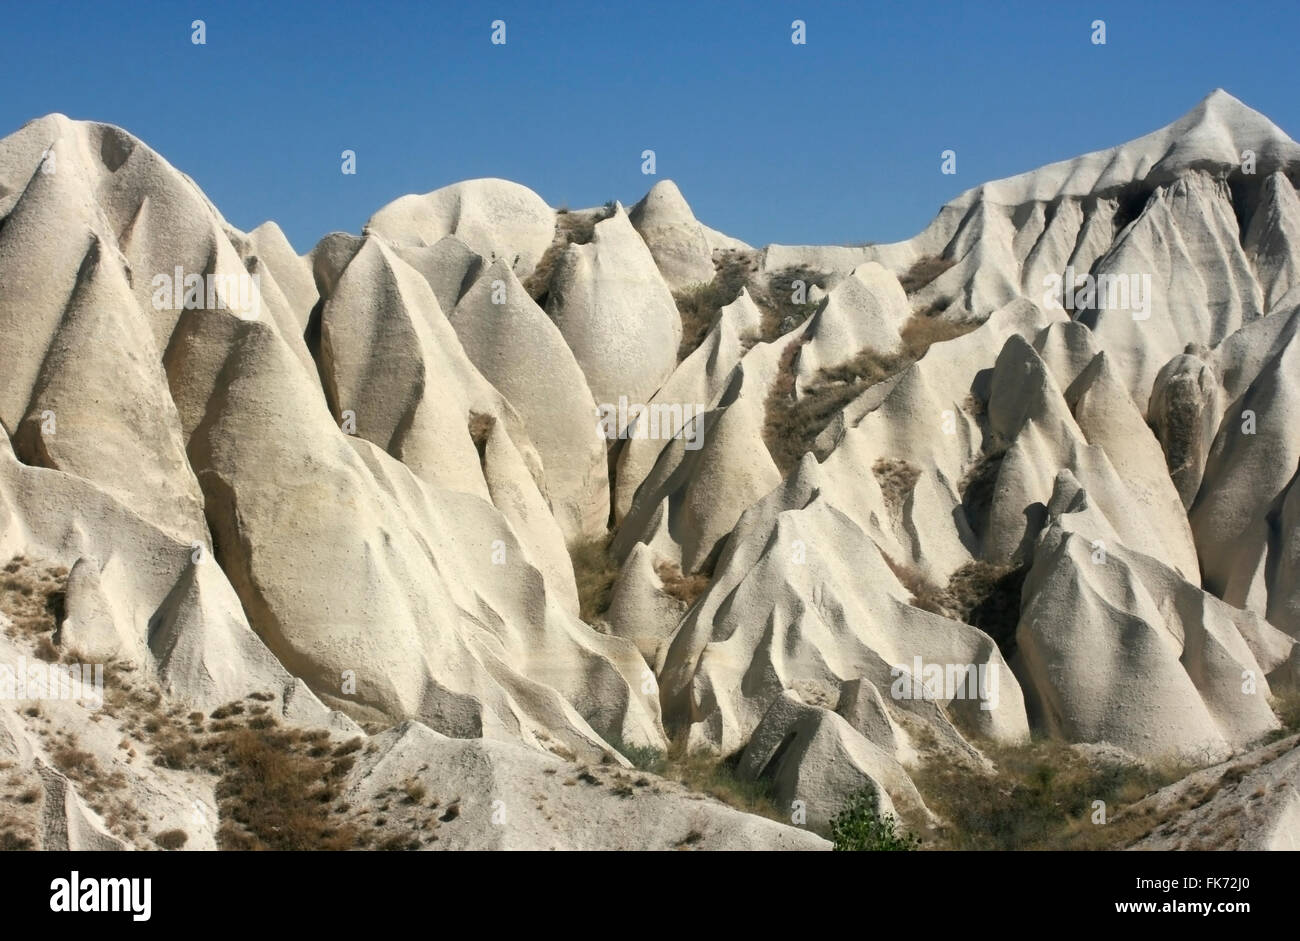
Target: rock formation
pixel 519 511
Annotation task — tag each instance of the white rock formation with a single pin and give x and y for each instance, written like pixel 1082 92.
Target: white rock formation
pixel 495 218
pixel 350 492
pixel 675 239
pixel 616 313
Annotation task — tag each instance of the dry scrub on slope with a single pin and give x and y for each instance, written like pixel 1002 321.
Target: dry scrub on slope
pixel 793 424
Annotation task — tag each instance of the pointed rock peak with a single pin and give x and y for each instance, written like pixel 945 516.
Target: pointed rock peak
pixel 1072 336
pixel 90 261
pixel 617 222
pixel 1068 347
pixel 664 203
pixel 139 222
pixel 803 486
pixel 1068 495
pixel 92 269
pixel 1066 334
pixel 374 257
pixel 54 117
pixel 743 314
pixel 665 191
pixel 271 232
pixel 1221 106
pixel 1016 350
pixel 1098 378
pixel 331 256
pixel 880 279
pixel 1213 136
pixel 54 125
pixel 1022 388
pixel 1100 368
pixel 500 269
pixel 496 291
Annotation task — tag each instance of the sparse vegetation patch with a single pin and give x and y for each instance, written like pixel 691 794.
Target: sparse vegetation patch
pixel 924 270
pixel 897 479
pixel 1040 798
pixel 699 305
pixel 571 228
pixel 685 588
pixel 793 424
pixel 979 593
pixel 785 300
pixel 595 571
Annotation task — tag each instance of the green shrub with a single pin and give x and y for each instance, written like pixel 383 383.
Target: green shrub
pixel 860 827
pixel 643 757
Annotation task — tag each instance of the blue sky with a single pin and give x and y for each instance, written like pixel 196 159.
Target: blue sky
pixel 835 141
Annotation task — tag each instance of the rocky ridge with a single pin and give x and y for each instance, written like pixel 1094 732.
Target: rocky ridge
pixel 899 504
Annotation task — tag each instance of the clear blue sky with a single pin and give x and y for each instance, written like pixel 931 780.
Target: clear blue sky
pixel 835 141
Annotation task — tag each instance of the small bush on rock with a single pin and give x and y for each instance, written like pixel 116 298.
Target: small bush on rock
pixel 860 827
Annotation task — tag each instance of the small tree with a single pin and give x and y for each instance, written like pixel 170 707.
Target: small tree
pixel 860 827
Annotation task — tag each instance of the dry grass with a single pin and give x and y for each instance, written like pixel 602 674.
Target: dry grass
pixel 897 479
pixel 1041 798
pixel 45 650
pixel 595 571
pixel 33 598
pixel 924 270
pixel 925 328
pixel 979 593
pixel 781 312
pixel 698 307
pixel 685 588
pixel 275 795
pixel 792 425
pixel 13 836
pixel 277 787
pixel 698 771
pixel 171 839
pixel 571 228
pixel 414 790
pixel 978 487
pixel 862 371
pixel 784 433
pixel 1286 705
pixel 103 791
pixel 700 304
pixel 706 773
pixel 20 807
